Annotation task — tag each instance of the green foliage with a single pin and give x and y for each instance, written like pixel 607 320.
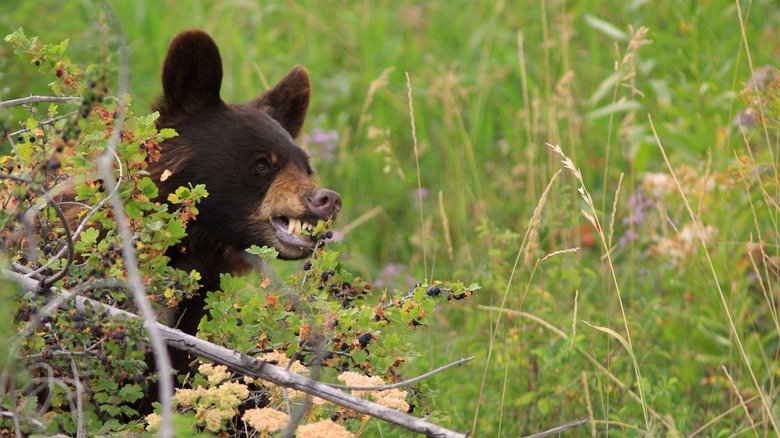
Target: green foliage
pixel 55 153
pixel 490 88
pixel 326 317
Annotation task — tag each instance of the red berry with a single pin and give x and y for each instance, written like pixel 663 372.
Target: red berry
pixel 59 73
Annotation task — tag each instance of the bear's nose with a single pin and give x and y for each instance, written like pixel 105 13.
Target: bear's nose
pixel 324 203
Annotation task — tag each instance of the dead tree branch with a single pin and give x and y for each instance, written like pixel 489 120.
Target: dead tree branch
pixel 38 99
pixel 253 367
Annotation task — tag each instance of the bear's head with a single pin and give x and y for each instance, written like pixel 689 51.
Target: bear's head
pixel 259 180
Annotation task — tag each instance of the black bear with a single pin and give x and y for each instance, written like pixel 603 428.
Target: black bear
pixel 258 178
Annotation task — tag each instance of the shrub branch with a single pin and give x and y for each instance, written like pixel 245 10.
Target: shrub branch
pixel 38 99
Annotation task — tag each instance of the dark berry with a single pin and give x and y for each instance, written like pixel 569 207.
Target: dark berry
pixel 329 234
pixel 307 266
pixel 364 339
pixel 59 73
pixel 32 139
pixel 239 322
pixel 20 139
pixel 432 292
pixel 37 63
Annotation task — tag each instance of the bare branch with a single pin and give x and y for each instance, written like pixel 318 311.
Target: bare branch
pixel 81 428
pixel 405 382
pixel 559 429
pixel 68 243
pixel 44 123
pixel 105 166
pixel 256 368
pixel 37 99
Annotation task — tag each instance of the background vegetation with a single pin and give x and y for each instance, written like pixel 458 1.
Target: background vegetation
pixel 665 319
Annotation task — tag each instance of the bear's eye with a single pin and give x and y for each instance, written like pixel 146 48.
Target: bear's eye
pixel 262 165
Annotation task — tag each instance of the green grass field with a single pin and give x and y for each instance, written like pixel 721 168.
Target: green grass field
pixel 633 291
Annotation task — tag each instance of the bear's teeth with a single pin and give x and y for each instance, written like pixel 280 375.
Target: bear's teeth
pixel 295 226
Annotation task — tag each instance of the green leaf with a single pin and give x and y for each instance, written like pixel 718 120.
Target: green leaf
pixel 616 107
pixel 131 392
pixel 606 28
pixel 264 252
pixel 32 123
pixel 147 187
pixel 90 236
pixel 167 133
pixel 176 229
pixel 527 398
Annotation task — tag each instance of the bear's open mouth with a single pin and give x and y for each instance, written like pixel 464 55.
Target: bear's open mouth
pixel 294 231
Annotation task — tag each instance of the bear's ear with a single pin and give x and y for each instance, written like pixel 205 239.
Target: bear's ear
pixel 288 101
pixel 192 73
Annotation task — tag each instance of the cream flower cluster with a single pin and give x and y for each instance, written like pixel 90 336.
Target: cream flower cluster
pixel 323 429
pixel 679 247
pixel 214 404
pixel 215 373
pixel 390 398
pixel 662 185
pixel 281 361
pixel 266 419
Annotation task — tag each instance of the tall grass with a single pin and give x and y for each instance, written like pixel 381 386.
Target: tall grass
pixel 678 261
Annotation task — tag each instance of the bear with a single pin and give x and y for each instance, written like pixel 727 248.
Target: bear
pixel 259 180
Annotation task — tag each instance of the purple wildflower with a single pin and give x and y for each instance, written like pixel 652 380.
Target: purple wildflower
pixel 322 144
pixel 394 276
pixel 746 119
pixel 762 77
pixel 421 193
pixel 638 204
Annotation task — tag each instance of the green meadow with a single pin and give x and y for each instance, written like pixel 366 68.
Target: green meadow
pixel 607 171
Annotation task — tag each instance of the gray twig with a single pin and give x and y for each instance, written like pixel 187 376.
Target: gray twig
pixel 81 428
pixel 559 429
pixel 135 284
pixel 37 99
pixel 405 382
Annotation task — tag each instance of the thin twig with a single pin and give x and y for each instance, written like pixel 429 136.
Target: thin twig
pixel 105 165
pixel 69 246
pixel 559 429
pixel 44 123
pixel 37 99
pixel 405 382
pixel 81 427
pixel 419 180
